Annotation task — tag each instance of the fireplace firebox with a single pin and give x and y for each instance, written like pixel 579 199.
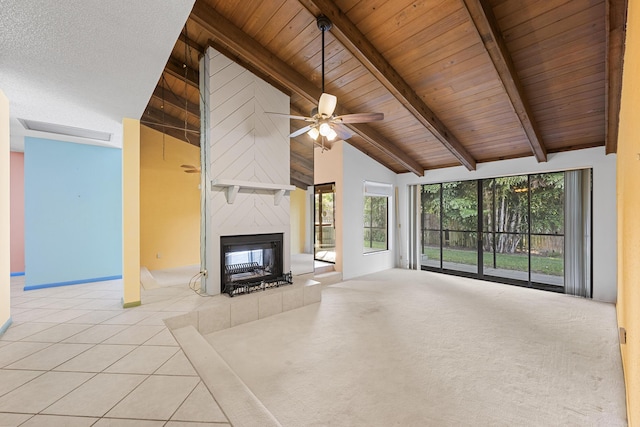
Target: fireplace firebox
pixel 251 263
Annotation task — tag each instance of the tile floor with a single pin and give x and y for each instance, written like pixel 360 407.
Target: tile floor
pixel 74 357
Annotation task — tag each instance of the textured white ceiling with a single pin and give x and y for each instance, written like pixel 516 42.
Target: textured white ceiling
pixel 84 63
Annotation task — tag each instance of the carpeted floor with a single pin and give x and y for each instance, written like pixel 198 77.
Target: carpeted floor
pixel 411 348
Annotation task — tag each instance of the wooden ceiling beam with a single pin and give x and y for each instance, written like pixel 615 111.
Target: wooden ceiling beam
pixel 616 19
pixel 302 161
pixel 482 16
pixel 177 70
pixel 176 100
pixel 156 125
pixel 351 37
pixel 192 44
pixel 304 179
pixel 227 36
pixel 301 185
pixel 170 120
pixel 170 125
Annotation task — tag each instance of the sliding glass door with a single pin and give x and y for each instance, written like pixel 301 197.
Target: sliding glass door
pixel 431 247
pixel 507 229
pixel 450 226
pixel 460 226
pixel 325 225
pixel 547 228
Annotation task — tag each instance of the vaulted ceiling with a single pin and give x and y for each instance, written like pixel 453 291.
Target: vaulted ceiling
pixel 460 82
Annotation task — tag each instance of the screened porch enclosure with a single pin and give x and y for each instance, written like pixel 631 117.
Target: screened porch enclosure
pixel 510 229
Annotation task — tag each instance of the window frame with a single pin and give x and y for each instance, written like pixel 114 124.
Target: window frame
pixel 382 191
pixel 531 280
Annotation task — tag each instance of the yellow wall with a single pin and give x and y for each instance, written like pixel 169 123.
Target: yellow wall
pixel 5 250
pixel 131 212
pixel 298 212
pixel 628 178
pixel 169 202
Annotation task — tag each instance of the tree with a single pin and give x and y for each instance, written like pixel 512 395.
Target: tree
pixel 505 213
pixel 510 204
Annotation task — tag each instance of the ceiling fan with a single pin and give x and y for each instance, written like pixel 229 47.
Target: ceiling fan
pixel 190 168
pixel 322 121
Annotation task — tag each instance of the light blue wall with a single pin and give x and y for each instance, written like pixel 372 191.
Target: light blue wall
pixel 73 213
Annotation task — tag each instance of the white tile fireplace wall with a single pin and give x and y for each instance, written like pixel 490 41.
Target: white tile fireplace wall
pixel 247 159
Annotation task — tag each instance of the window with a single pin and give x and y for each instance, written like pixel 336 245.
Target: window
pixel 375 223
pixel 376 216
pixel 510 229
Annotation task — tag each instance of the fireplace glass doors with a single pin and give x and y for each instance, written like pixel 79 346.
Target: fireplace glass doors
pixel 251 262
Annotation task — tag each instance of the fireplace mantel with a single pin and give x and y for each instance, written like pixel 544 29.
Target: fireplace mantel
pixel 232 186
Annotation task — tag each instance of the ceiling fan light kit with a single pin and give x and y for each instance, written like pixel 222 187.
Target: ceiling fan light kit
pixel 323 122
pixel 313 133
pixel 327 104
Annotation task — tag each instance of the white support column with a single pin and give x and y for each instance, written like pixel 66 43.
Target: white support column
pixel 5 248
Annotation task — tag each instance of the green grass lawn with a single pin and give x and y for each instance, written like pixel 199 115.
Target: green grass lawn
pixel 539 264
pixel 375 245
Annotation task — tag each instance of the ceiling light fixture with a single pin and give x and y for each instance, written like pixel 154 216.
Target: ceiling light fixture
pixel 332 134
pixel 314 133
pixel 323 121
pixel 324 129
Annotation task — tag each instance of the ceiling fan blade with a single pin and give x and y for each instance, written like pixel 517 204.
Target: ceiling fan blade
pixel 306 119
pixel 342 131
pixel 359 118
pixel 327 104
pixel 301 131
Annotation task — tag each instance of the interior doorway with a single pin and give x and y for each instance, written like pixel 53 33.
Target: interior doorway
pixel 324 223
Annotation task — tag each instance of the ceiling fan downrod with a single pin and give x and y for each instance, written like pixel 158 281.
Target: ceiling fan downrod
pixel 322 121
pixel 324 24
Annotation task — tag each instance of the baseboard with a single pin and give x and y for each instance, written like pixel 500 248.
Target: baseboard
pixel 17 273
pixel 131 304
pixel 6 325
pixel 71 282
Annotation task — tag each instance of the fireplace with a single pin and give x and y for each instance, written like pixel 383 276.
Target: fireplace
pixel 251 262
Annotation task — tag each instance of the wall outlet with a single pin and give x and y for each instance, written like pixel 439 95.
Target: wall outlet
pixel 158 255
pixel 623 335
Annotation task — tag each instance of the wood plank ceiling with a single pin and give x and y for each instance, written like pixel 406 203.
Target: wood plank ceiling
pixel 459 81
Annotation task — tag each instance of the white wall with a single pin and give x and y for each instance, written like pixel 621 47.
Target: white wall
pixel 359 168
pixel 349 168
pixel 604 202
pixel 243 144
pixel 5 249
